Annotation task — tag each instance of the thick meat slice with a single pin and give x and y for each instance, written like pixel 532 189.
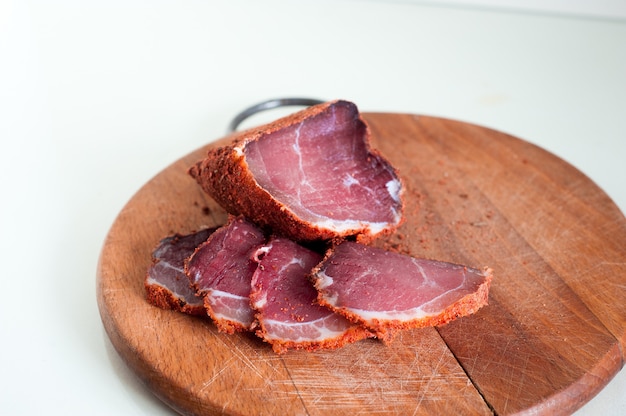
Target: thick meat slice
pixel 288 314
pixel 221 269
pixel 386 291
pixel 308 176
pixel 166 284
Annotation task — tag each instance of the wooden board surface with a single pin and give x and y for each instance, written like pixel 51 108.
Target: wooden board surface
pixel 549 340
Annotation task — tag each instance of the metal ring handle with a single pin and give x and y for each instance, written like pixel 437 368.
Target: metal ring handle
pixel 268 105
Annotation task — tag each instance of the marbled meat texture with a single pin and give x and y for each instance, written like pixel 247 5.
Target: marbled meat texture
pixel 166 284
pixel 388 291
pixel 285 299
pixel 221 270
pixel 309 176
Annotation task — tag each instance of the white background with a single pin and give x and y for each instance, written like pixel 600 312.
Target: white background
pixel 97 97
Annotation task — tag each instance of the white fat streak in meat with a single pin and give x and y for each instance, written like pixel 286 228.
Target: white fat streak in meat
pixel 214 294
pixel 323 280
pixel 150 281
pixel 347 225
pixel 324 331
pixel 296 148
pixel 169 265
pixel 404 315
pixel 350 180
pixel 259 252
pixel 401 316
pixel 393 188
pixel 294 260
pixel 197 276
pixel 261 301
pixel 230 319
pixel 418 266
pixel 432 283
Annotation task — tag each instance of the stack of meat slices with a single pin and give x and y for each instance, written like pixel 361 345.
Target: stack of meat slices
pixel 307 180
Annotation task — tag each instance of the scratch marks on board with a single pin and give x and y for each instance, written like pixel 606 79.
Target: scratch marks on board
pixel 225 366
pixel 416 374
pixel 378 379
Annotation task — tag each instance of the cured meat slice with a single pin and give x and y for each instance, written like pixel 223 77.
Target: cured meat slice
pixel 166 284
pixel 221 270
pixel 386 291
pixel 309 176
pixel 285 299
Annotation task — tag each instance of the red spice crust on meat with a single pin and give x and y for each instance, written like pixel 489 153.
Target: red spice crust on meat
pixel 354 334
pixel 224 175
pixel 467 305
pixel 164 299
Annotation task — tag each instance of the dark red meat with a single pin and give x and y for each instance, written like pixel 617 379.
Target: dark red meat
pixel 288 314
pixel 309 176
pixel 221 269
pixel 386 291
pixel 166 284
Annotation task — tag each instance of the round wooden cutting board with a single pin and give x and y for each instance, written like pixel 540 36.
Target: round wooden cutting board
pixel 549 340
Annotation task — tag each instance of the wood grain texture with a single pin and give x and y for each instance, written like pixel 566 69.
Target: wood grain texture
pixel 550 339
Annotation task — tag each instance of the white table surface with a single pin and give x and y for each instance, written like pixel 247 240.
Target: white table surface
pixel 97 97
